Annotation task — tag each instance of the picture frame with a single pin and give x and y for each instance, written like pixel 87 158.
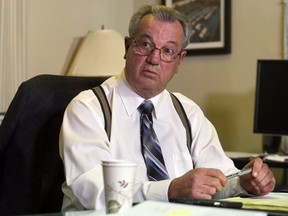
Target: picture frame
pixel 211 24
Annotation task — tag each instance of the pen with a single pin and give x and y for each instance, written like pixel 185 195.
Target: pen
pixel 212 203
pixel 242 172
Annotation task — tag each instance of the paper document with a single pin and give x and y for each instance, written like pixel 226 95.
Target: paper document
pixel 86 213
pixel 272 201
pixel 234 154
pixel 275 157
pixel 173 209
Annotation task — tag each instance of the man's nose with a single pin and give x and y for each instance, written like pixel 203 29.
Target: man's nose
pixel 154 57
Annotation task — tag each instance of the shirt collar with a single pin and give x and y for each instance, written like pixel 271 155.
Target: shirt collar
pixel 131 100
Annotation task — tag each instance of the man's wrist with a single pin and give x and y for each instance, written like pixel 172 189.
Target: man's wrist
pixel 172 190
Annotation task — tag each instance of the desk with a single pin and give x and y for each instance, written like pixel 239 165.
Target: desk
pixel 241 162
pixel 170 209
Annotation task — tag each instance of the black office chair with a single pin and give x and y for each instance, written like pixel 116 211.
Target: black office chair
pixel 31 171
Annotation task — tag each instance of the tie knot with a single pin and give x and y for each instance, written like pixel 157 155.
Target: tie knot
pixel 146 107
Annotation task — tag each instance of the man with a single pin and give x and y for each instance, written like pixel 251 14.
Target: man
pixel 154 52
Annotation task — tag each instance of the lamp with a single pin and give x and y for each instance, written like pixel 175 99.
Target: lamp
pixel 100 54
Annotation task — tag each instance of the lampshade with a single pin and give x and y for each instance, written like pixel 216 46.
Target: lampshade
pixel 100 54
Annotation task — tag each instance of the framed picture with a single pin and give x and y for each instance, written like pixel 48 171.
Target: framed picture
pixel 211 25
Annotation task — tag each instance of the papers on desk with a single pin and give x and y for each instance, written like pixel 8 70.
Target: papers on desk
pixel 276 157
pixel 86 213
pixel 173 209
pixel 272 201
pixel 234 155
pixel 270 157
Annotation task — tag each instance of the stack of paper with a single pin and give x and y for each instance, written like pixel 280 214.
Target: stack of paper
pixel 272 201
pixel 276 157
pixel 172 209
pixel 235 155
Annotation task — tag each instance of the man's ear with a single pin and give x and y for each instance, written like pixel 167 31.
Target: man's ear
pixel 127 45
pixel 182 55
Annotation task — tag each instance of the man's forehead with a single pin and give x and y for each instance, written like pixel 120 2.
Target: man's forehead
pixel 149 27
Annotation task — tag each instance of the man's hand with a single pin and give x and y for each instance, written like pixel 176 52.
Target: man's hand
pixel 261 181
pixel 200 183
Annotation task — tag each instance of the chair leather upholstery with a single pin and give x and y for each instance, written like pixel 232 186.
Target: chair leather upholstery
pixel 31 171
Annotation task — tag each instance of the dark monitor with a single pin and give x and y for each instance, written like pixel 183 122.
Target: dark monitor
pixel 271 100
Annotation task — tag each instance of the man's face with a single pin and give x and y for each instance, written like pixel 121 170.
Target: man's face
pixel 149 75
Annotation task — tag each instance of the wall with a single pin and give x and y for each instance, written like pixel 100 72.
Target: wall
pixel 223 85
pixel 55 27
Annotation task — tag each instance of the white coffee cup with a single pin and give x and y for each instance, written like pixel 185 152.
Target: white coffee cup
pixel 119 176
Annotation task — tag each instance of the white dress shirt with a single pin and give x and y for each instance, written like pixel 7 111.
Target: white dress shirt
pixel 84 144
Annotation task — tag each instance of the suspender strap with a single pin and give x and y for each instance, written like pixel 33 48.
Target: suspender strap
pixel 99 92
pixel 181 112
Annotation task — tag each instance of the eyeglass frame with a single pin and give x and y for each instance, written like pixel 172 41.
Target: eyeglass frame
pixel 155 48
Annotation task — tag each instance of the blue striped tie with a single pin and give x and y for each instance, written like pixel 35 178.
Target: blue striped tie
pixel 151 150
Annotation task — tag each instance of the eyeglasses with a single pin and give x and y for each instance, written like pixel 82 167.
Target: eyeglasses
pixel 145 48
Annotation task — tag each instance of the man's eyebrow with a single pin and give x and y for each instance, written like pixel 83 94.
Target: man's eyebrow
pixel 146 36
pixel 173 42
pixel 152 40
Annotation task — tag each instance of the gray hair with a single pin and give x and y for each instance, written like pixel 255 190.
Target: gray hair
pixel 162 13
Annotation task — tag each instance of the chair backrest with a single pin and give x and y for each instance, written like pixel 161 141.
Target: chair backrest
pixel 31 171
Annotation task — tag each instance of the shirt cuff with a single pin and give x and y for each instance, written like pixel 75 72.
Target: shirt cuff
pixel 158 190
